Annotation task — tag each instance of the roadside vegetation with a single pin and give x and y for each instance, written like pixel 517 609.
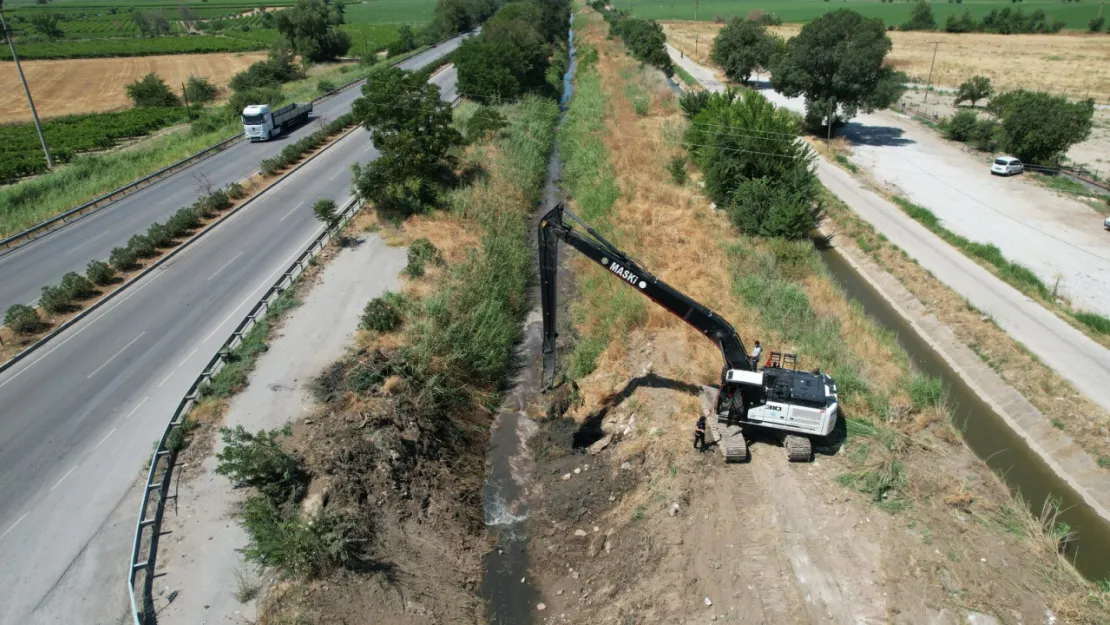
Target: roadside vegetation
pixel 900 453
pixel 429 367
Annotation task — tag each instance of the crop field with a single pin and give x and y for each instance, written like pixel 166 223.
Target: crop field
pixel 412 12
pixel 21 155
pixel 1068 64
pixel 1075 15
pixel 99 85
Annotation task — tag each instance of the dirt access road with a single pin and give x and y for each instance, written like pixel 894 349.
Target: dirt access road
pixel 74 86
pixel 1076 357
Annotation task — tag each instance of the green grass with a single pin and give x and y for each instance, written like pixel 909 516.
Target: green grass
pixel 1076 15
pixel 686 77
pixel 846 162
pixel 589 177
pixel 1094 321
pixel 241 360
pixel 1019 276
pixel 1062 184
pixel 412 12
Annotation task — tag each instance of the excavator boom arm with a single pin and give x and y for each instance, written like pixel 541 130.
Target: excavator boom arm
pixel 552 228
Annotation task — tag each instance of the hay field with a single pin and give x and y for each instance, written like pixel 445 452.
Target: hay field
pixel 1077 65
pixel 72 86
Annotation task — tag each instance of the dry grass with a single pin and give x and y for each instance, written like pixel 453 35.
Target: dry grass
pixel 73 86
pixel 1073 64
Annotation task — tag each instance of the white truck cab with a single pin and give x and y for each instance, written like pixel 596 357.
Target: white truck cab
pixel 258 123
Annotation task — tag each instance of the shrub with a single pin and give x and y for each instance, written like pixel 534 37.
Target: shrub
pixel 1096 24
pixel 692 102
pixel 199 90
pixel 1039 127
pixel 235 191
pixel 485 121
pixel 218 200
pixel 921 18
pixel 785 209
pixel 271 166
pixel 258 461
pixel 22 319
pixel 985 135
pixel 77 286
pixel 383 314
pixel 150 90
pixel 98 272
pixel 677 167
pixel 961 126
pixel 122 258
pixel 324 209
pixel 159 235
pixel 421 252
pixel 183 221
pixel 299 548
pixel 54 300
pixel 325 86
pixel 142 246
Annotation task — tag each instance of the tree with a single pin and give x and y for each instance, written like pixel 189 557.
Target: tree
pixel 963 24
pixel 22 319
pixel 150 90
pixel 974 89
pixel 836 63
pixel 309 28
pixel 1038 127
pixel 413 129
pixel 742 47
pixel 508 59
pixel 645 39
pixel 406 40
pixel 1096 23
pixel 199 90
pixel 277 68
pixel 921 17
pixel 739 136
pixel 47 24
pixel 146 27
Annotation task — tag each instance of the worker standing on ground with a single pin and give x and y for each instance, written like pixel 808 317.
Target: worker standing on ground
pixel 699 434
pixel 756 353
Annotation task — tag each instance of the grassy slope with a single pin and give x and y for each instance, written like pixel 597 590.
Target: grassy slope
pixel 901 450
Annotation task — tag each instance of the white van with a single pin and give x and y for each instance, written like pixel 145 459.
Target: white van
pixel 1006 166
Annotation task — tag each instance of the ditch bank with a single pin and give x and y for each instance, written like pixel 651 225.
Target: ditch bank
pixel 510 596
pixel 997 423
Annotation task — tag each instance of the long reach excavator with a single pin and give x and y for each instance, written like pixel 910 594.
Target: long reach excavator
pixel 797 406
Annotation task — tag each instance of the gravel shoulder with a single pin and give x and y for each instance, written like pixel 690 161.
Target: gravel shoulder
pixel 199 557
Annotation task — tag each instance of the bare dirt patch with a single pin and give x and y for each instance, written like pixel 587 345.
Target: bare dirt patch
pixel 73 86
pixel 1071 64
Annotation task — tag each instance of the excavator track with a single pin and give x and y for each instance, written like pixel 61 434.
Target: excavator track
pixel 798 448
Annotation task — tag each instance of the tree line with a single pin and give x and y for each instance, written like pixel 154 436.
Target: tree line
pixel 1004 21
pixel 644 38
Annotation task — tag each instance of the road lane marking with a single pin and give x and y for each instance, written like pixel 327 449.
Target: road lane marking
pixel 87 241
pixel 224 266
pixel 338 171
pixel 59 482
pixel 268 281
pixel 116 354
pixel 104 439
pixel 12 526
pixel 291 211
pixel 179 365
pixel 136 408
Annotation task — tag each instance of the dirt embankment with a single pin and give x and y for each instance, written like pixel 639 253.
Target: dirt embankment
pixel 75 86
pixel 896 521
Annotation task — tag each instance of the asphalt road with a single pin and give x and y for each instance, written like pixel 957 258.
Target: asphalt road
pixel 1072 354
pixel 26 270
pixel 78 419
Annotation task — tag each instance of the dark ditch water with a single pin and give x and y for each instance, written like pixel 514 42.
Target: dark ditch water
pixel 511 598
pixel 988 436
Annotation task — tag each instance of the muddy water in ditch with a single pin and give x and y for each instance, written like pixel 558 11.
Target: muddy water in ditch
pixel 511 599
pixel 985 432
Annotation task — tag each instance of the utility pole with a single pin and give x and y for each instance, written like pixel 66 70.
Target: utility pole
pixel 185 97
pixel 26 89
pixel 696 36
pixel 929 86
pixel 696 2
pixel 832 110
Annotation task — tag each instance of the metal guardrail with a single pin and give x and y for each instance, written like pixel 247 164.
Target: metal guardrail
pixel 156 490
pixel 46 227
